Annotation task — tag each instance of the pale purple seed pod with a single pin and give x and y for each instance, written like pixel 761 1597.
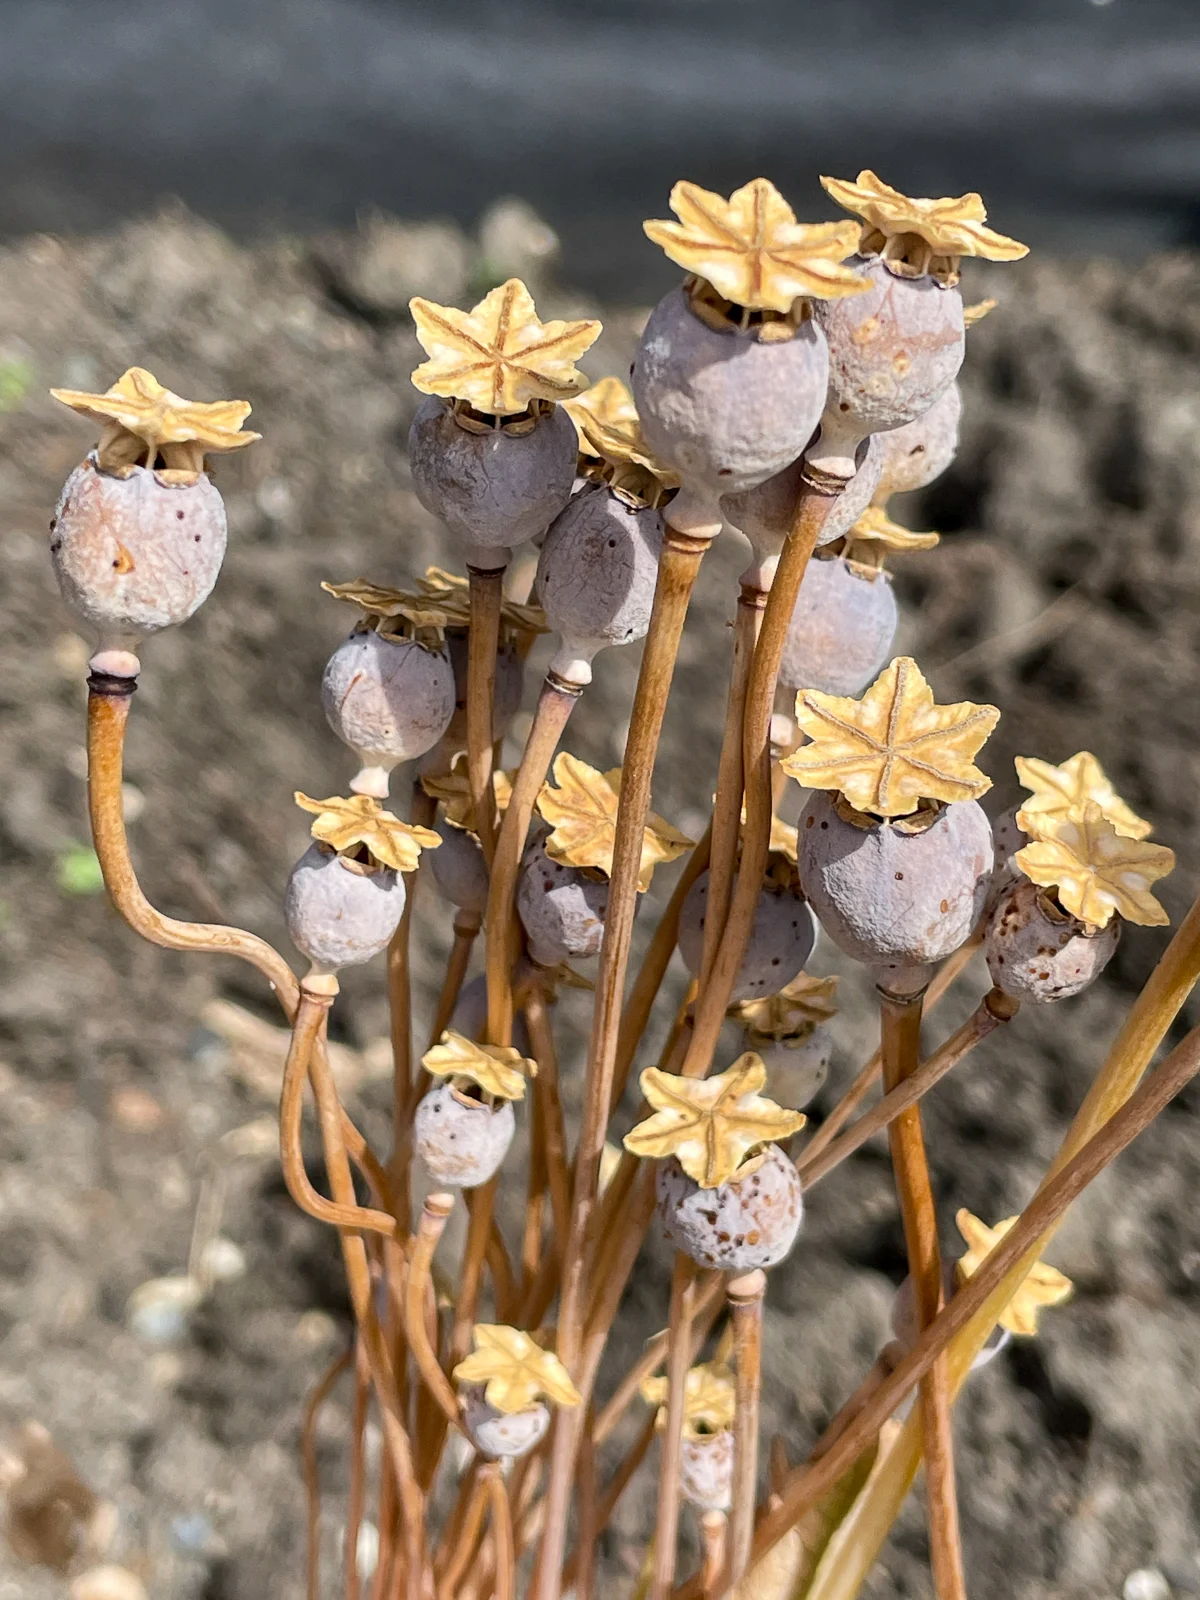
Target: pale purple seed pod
pixel 561 908
pixel 1037 952
pixel 750 1221
pixel 340 913
pixel 893 349
pixel 502 1435
pixel 907 1331
pixel 781 939
pixel 390 700
pixel 510 684
pixel 706 1469
pixel 496 489
pixel 723 409
pixel 920 451
pixel 764 514
pixel 459 1140
pixel 797 1068
pixel 470 1013
pixel 134 555
pixel 459 869
pixel 1007 839
pixel 842 628
pixel 596 576
pixel 893 898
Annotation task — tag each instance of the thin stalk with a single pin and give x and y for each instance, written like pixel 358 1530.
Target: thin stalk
pixel 666 1527
pixel 430 1227
pixel 356 1497
pixel 746 1306
pixel 388 1544
pixel 884 1365
pixel 712 1532
pixel 548 1108
pixel 481 1205
pixel 502 1535
pixel 589 1524
pixel 399 993
pixel 900 1018
pixel 312 1480
pixel 709 1298
pixel 466 930
pixel 483 641
pixel 463 1551
pixel 615 1488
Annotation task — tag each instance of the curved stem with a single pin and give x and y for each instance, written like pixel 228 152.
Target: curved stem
pixel 430 1226
pixel 483 641
pixel 463 1550
pixel 746 1304
pixel 312 1482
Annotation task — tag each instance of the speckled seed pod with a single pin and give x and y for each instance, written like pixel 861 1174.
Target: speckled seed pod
pixel 724 409
pixel 459 1140
pixel 561 908
pixel 919 452
pixel 1037 952
pixel 502 1435
pixel 470 1014
pixel 842 628
pixel 339 912
pixel 904 1318
pixel 781 939
pixel 796 1068
pixel 1007 839
pixel 510 682
pixel 893 898
pixel 390 700
pixel 133 555
pixel 458 868
pixel 496 489
pixel 596 576
pixel 706 1470
pixel 751 1221
pixel 892 351
pixel 764 514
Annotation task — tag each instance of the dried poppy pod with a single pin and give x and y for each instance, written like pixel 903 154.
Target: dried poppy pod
pixel 345 895
pixel 706 1445
pixel 894 349
pixel 138 536
pixel 764 514
pixel 781 936
pixel 731 372
pixel 490 452
pixel 896 858
pixel 790 1033
pixel 727 1195
pixel 561 908
pixel 459 869
pixel 1036 951
pixel 470 1013
pixel 502 1384
pixel 919 452
pixel 706 1469
pixel 462 1128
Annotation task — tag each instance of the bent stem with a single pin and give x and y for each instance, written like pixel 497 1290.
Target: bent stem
pixel 483 642
pixel 746 1305
pixel 679 1328
pixel 417 1290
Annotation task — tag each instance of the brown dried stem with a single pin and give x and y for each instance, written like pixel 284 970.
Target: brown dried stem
pixel 418 1287
pixel 709 1298
pixel 746 1305
pixel 483 640
pixel 466 930
pixel 679 1327
pixel 312 1481
pixel 712 1532
pixel 502 1534
pixel 463 1549
pixel 547 1105
pixel 356 1496
pixel 481 1206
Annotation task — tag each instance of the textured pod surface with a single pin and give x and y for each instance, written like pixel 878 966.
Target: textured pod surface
pixel 751 1221
pixel 470 1015
pixel 390 700
pixel 724 409
pixel 706 1470
pixel 493 490
pixel 510 682
pixel 781 939
pixel 501 1434
pixel 561 908
pixel 133 555
pixel 337 914
pixel 1007 839
pixel 596 575
pixel 1034 955
pixel 796 1068
pixel 458 868
pixel 888 897
pixel 461 1141
pixel 764 514
pixel 842 628
pixel 904 1318
pixel 921 450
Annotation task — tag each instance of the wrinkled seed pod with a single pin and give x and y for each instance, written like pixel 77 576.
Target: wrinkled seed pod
pixel 920 451
pixel 764 514
pixel 751 1221
pixel 725 410
pixel 892 898
pixel 596 576
pixel 796 1068
pixel 470 1015
pixel 390 700
pixel 502 1435
pixel 706 1470
pixel 904 1318
pixel 1007 839
pixel 338 912
pixel 133 555
pixel 781 939
pixel 842 628
pixel 562 909
pixel 496 489
pixel 510 683
pixel 459 1140
pixel 458 868
pixel 1040 954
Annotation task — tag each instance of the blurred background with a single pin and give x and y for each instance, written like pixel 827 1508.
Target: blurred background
pixel 242 198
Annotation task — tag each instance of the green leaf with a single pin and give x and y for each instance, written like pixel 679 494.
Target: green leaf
pixel 77 871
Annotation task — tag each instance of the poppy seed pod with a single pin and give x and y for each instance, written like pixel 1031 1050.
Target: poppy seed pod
pixel 341 912
pixel 764 514
pixel 906 1329
pixel 1036 951
pixel 706 1469
pixel 596 576
pixel 134 553
pixel 842 628
pixel 459 869
pixel 497 487
pixel 461 1140
pixel 892 351
pixel 502 1435
pixel 1007 839
pixel 723 408
pixel 781 939
pixel 891 896
pixel 390 700
pixel 562 908
pixel 921 450
pixel 510 684
pixel 750 1221
pixel 797 1067
pixel 470 1012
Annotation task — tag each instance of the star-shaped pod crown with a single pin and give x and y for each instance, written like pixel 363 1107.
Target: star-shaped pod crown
pixel 1044 1286
pixel 514 1370
pixel 612 444
pixel 919 236
pixel 582 813
pixel 441 600
pixel 791 1013
pixel 361 823
pixel 453 789
pixel 500 1071
pixel 709 1399
pixel 895 748
pixel 710 1124
pixel 751 249
pixel 498 357
pixel 1063 792
pixel 140 419
pixel 875 534
pixel 1094 870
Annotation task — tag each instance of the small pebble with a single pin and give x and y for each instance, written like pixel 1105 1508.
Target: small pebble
pixel 108 1583
pixel 1147 1583
pixel 222 1260
pixel 135 1109
pixel 159 1311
